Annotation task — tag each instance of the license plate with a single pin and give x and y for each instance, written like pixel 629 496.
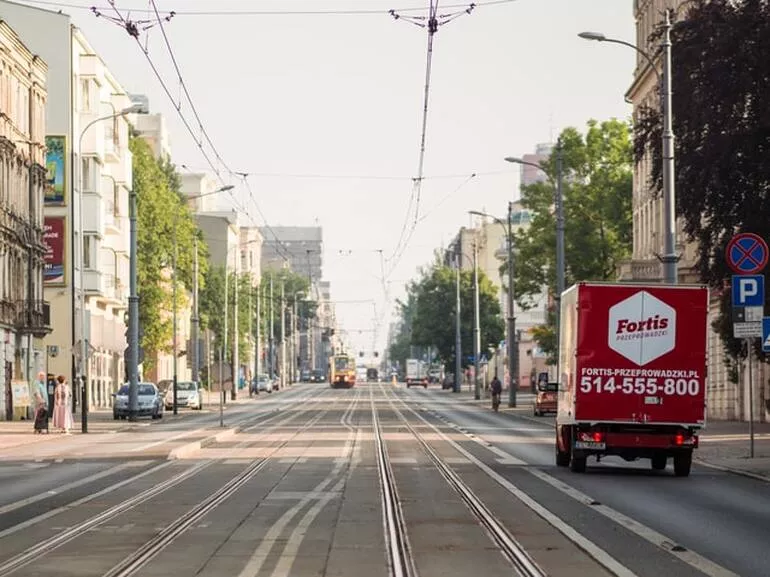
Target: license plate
pixel 590 445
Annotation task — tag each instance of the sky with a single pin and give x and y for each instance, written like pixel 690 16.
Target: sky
pixel 324 112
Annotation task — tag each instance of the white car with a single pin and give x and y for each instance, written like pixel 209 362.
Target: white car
pixel 185 390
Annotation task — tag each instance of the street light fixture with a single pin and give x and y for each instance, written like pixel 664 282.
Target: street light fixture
pixel 511 341
pixel 81 262
pixel 195 320
pixel 559 206
pixel 669 257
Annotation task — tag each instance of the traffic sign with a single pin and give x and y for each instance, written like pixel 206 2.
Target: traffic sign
pixel 747 330
pixel 766 335
pixel 748 290
pixel 747 253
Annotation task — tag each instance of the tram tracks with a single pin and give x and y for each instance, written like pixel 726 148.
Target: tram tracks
pixel 138 559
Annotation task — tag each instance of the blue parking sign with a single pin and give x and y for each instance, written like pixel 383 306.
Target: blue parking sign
pixel 748 290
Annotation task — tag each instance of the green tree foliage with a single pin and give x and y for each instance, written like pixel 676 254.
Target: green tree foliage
pixel 434 318
pixel 158 206
pixel 721 119
pixel 400 347
pixel 597 175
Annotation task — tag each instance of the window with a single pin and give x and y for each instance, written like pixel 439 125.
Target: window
pixel 90 253
pixel 89 175
pixel 85 95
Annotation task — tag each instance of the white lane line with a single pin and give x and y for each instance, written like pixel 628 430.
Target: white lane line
pixel 600 555
pixel 61 489
pixel 693 559
pixel 181 435
pixel 690 557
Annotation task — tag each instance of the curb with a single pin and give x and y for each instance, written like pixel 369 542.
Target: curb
pixel 185 450
pixel 741 472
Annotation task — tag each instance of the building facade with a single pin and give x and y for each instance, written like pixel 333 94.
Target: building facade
pixel 24 314
pixel 86 202
pixel 300 246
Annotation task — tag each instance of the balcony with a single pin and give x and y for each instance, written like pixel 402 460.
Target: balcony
pixel 93 214
pixel 7 312
pixel 33 317
pixel 640 270
pixel 95 282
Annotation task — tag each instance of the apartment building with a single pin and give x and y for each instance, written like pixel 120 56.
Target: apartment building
pixel 726 399
pixel 86 204
pixel 24 245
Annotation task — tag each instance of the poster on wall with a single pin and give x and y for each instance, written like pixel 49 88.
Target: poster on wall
pixel 53 237
pixel 56 174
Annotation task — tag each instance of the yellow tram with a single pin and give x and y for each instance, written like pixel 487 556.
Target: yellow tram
pixel 342 371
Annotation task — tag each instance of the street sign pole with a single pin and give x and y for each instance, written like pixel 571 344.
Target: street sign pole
pixel 751 401
pixel 747 255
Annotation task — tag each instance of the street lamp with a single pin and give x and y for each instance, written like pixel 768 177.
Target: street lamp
pixel 195 319
pixel 559 206
pixel 81 262
pixel 476 321
pixel 669 257
pixel 513 353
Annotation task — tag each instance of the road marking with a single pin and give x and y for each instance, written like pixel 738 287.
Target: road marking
pixel 74 484
pixel 600 555
pixel 300 495
pixel 164 441
pixel 403 460
pixel 693 559
pixel 690 557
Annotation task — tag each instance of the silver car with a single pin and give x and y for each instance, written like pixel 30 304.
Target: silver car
pixel 187 395
pixel 150 403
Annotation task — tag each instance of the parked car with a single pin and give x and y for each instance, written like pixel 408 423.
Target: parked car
pixel 184 391
pixel 149 401
pixel 545 401
pixel 263 383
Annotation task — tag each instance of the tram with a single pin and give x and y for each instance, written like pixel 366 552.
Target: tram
pixel 342 371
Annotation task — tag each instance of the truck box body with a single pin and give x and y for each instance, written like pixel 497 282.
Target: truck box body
pixel 633 368
pixel 416 373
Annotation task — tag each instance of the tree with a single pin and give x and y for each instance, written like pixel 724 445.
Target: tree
pixel 721 118
pixel 597 191
pixel 435 315
pixel 400 347
pixel 158 204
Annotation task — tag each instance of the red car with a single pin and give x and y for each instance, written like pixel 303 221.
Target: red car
pixel 546 400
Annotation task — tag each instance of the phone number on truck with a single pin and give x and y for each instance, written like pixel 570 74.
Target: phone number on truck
pixel 641 386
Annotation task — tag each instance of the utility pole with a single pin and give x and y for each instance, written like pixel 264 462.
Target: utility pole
pixel 272 329
pixel 283 335
pixel 195 337
pixel 476 323
pixel 512 341
pixel 133 313
pixel 236 330
pixel 257 340
pixel 223 355
pixel 294 364
pixel 559 206
pixel 458 326
pixel 669 257
pixel 174 256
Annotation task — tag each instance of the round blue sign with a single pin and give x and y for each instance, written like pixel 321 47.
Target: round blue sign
pixel 747 253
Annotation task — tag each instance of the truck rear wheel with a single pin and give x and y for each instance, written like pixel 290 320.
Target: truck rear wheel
pixel 577 464
pixel 682 464
pixel 659 462
pixel 562 458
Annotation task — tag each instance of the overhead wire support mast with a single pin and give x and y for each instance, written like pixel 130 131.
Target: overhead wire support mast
pixel 431 23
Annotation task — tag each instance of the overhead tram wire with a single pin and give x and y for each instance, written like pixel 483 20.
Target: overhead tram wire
pixel 431 23
pixel 329 12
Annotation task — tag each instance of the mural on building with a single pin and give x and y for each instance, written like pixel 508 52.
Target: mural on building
pixel 56 173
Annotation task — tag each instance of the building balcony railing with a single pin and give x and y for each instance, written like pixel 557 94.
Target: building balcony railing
pixel 33 317
pixel 7 312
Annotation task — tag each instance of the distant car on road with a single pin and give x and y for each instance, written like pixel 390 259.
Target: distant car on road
pixel 185 392
pixel 149 402
pixel 318 376
pixel 546 400
pixel 263 382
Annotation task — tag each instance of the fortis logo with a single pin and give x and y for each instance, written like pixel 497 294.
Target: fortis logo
pixel 642 328
pixel 655 323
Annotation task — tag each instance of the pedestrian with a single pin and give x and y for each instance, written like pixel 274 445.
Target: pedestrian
pixel 40 395
pixel 62 417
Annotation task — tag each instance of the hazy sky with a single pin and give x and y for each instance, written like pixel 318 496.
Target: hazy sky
pixel 308 102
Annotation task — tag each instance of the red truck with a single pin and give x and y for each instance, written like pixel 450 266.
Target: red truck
pixel 633 363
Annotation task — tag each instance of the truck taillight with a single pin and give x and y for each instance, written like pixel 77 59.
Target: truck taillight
pixel 595 436
pixel 679 439
pixel 682 439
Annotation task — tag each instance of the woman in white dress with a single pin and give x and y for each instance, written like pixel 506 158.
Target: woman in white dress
pixel 62 416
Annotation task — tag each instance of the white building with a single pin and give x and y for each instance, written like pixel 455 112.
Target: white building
pixel 24 315
pixel 95 173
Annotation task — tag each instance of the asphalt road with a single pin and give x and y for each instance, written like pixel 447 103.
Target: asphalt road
pixel 375 481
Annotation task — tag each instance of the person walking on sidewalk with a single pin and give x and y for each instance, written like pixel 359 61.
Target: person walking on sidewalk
pixel 40 395
pixel 62 417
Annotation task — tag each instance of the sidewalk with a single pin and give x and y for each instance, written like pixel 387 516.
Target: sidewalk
pixel 724 445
